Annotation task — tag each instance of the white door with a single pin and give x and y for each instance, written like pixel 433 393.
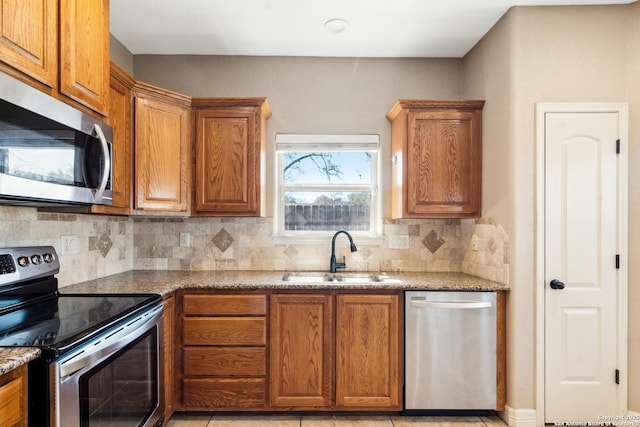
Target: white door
pixel 581 275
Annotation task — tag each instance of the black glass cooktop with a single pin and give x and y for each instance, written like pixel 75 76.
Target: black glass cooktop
pixel 60 322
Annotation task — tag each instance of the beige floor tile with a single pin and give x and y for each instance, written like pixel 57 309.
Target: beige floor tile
pixel 436 421
pixel 254 421
pixel 493 421
pixel 188 420
pixel 345 421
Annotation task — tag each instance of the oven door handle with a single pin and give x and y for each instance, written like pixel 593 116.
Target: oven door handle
pixel 106 346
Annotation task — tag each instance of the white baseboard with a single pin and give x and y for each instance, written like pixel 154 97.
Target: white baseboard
pixel 634 413
pixel 519 417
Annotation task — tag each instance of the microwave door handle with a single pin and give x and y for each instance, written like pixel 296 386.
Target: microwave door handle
pixel 107 162
pixel 422 303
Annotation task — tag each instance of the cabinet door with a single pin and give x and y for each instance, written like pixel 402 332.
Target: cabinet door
pixel 300 351
pixel 228 154
pixel 368 351
pixel 162 155
pixel 443 163
pixel 84 52
pixel 13 398
pixel 29 38
pixel 169 350
pixel 120 119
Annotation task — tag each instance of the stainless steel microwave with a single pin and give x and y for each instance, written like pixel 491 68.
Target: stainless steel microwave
pixel 50 152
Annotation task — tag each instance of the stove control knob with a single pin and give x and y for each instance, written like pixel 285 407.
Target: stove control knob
pixel 23 261
pixel 47 257
pixel 36 259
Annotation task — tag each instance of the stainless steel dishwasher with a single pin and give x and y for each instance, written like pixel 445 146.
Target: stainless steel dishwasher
pixel 450 351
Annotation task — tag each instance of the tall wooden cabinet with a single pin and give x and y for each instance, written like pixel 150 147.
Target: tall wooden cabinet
pixel 230 156
pixel 121 120
pixel 436 159
pixel 61 46
pixel 162 151
pixel 301 359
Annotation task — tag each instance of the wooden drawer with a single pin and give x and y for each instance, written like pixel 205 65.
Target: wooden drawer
pixel 225 361
pixel 224 331
pixel 212 393
pixel 225 305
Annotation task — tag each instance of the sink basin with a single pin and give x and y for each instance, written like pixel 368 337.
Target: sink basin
pixel 338 278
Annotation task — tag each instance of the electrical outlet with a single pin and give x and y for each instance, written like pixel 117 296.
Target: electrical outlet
pixel 185 239
pixel 399 242
pixel 474 243
pixel 69 245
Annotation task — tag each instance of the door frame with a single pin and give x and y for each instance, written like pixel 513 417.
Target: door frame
pixel 622 321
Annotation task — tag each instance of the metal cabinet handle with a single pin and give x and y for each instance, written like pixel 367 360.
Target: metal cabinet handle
pixel 421 303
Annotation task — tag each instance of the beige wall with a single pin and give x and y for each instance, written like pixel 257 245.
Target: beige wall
pixel 541 54
pixel 633 96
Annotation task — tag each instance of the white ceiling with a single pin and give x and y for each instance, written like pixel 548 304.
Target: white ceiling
pixel 377 28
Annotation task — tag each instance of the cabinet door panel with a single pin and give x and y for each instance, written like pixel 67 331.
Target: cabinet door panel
pixel 367 351
pixel 440 152
pixel 228 161
pixel 224 331
pixel 162 138
pixel 300 361
pixel 84 52
pixel 29 38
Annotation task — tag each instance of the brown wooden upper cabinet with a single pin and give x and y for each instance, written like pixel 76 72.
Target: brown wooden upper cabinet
pixel 61 46
pixel 230 152
pixel 84 52
pixel 162 151
pixel 436 159
pixel 121 120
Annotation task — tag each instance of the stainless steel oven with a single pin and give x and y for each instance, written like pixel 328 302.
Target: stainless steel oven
pixel 114 379
pixel 102 361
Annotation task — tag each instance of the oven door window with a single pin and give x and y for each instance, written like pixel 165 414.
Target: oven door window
pixel 122 390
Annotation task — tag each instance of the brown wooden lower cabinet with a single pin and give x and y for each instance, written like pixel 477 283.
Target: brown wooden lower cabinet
pixel 301 347
pixel 13 398
pixel 368 351
pixel 280 350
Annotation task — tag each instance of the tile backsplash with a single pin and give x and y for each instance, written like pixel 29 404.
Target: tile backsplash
pixel 110 244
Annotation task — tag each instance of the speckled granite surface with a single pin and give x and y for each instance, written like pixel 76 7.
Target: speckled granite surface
pixel 165 282
pixel 11 358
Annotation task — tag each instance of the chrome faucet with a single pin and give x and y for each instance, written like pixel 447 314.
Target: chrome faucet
pixel 333 266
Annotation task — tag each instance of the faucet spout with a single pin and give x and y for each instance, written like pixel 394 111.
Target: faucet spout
pixel 333 264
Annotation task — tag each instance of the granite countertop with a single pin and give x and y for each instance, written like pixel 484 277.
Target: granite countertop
pixel 12 358
pixel 165 282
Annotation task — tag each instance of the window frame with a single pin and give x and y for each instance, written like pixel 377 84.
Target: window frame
pixel 286 143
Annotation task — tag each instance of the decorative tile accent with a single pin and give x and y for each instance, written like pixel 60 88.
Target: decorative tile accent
pixel 291 252
pixel 433 241
pixel 103 244
pixel 222 240
pixel 492 246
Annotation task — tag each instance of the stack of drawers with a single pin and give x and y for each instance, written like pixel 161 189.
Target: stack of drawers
pixel 224 361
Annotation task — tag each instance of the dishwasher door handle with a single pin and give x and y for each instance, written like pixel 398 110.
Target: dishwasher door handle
pixel 424 303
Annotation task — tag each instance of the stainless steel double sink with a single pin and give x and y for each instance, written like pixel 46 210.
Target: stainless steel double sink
pixel 338 278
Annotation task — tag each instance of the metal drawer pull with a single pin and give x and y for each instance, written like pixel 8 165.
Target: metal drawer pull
pixel 423 303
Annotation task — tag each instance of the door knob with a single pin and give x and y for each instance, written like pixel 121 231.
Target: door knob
pixel 556 284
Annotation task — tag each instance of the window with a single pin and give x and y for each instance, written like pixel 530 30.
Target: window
pixel 327 183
